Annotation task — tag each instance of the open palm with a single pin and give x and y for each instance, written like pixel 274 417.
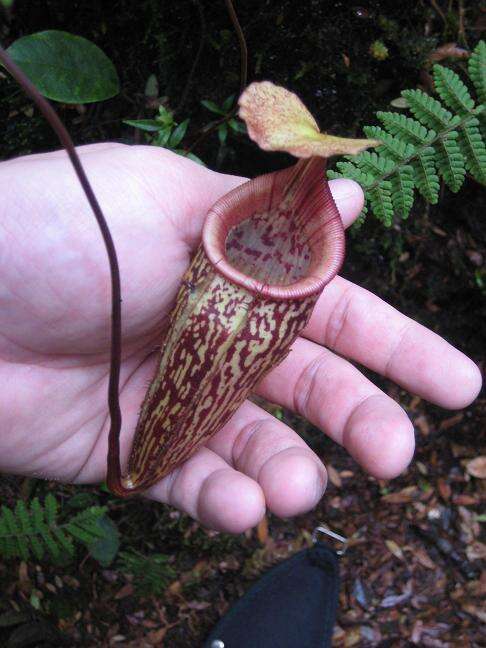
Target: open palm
pixel 55 327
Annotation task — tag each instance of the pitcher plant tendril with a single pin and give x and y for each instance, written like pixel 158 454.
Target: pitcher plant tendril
pixel 115 354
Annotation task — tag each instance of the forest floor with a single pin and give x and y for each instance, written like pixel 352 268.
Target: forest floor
pixel 412 572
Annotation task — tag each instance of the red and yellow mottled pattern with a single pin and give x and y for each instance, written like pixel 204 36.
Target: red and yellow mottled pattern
pixel 222 341
pixel 269 248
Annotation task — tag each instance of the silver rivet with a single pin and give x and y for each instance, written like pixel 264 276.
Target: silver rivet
pixel 217 643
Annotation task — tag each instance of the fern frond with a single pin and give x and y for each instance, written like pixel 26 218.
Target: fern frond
pixel 397 149
pixel 350 170
pixel 374 164
pixel 152 574
pixel 444 138
pixel 39 529
pixel 402 185
pixel 42 529
pixel 84 526
pixel 474 149
pixel 452 90
pixel 425 176
pixel 50 507
pixel 477 70
pixel 380 198
pixel 408 129
pixel 428 110
pixel 450 162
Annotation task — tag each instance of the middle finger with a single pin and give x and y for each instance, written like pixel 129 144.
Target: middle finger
pixel 333 395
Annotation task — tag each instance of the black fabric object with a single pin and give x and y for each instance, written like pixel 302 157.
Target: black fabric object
pixel 292 606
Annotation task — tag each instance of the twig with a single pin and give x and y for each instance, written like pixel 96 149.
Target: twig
pixel 439 11
pixel 58 127
pixel 242 42
pixel 243 76
pixel 461 32
pixel 195 63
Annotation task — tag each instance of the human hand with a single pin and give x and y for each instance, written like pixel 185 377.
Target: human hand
pixel 55 327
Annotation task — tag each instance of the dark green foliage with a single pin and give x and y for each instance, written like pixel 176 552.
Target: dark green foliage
pixel 105 548
pixel 40 529
pixel 443 140
pixel 65 67
pixel 152 574
pixel 165 131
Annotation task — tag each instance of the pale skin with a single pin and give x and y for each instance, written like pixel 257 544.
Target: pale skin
pixel 54 342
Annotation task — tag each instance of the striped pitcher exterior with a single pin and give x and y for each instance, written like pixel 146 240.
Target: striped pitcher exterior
pixel 269 247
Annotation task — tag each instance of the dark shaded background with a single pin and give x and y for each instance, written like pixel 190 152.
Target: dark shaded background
pixel 412 576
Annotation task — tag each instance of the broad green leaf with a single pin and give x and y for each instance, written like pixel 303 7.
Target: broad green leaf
pixel 228 103
pixel 65 67
pixel 152 87
pixel 210 105
pixel 150 125
pixel 81 500
pixel 165 116
pixel 190 156
pixel 12 618
pixel 162 137
pixel 104 549
pixel 237 126
pixel 178 134
pixel 222 133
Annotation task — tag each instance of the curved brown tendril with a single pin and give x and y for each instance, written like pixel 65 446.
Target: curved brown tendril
pixel 197 58
pixel 114 469
pixel 242 42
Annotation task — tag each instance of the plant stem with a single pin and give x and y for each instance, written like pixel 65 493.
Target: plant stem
pixel 115 354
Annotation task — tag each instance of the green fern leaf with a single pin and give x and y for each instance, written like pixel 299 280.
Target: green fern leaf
pixel 19 545
pixel 350 170
pixel 37 513
pixel 450 162
pixel 374 164
pixel 473 148
pixel 37 529
pixel 425 175
pixel 452 90
pixel 7 543
pixel 84 526
pixel 442 139
pixel 27 529
pixel 477 70
pixel 50 508
pixel 402 186
pixel 429 111
pixel 79 533
pixel 50 543
pixel 361 216
pixel 43 531
pixel 24 518
pixel 381 202
pixel 408 129
pixel 63 540
pixel 396 148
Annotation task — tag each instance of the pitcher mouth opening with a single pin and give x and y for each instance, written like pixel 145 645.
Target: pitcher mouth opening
pixel 278 236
